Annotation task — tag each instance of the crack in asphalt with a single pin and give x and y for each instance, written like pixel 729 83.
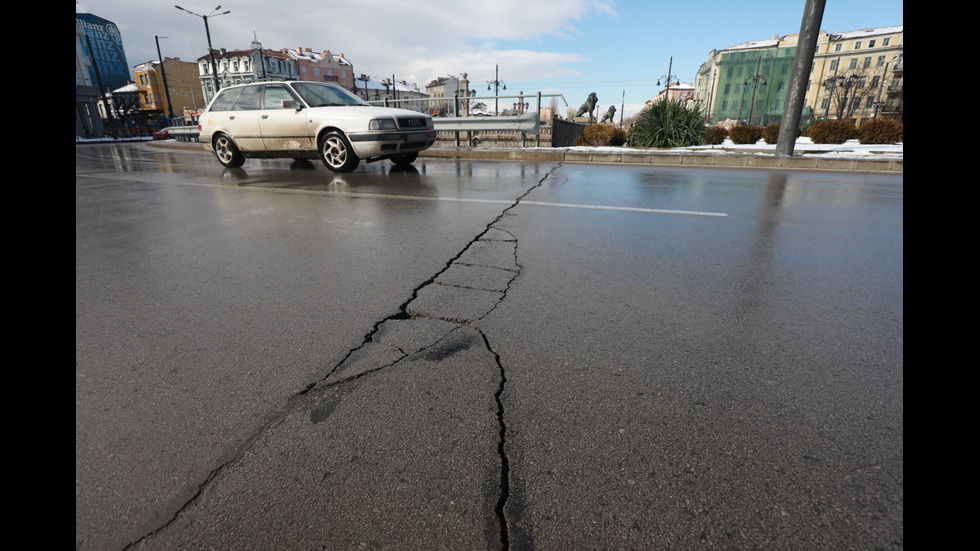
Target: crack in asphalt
pixel 491 234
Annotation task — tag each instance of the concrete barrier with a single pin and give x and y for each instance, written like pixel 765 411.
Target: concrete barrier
pixel 671 158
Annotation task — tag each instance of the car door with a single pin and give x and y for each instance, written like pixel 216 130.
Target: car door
pixel 243 120
pixel 284 127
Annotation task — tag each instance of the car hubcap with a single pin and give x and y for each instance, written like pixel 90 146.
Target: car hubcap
pixel 334 152
pixel 221 148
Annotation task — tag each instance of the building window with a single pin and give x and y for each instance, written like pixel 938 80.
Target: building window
pixel 837 47
pixel 857 45
pixel 871 43
pixel 885 41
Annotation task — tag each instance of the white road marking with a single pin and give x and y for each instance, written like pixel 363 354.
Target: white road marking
pixel 628 209
pixel 466 200
pixel 536 203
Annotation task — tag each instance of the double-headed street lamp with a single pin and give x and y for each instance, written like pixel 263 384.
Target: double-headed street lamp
pixel 496 88
pixel 667 78
pixel 755 81
pixel 214 64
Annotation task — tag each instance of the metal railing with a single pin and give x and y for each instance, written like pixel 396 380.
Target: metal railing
pixel 528 122
pixel 186 133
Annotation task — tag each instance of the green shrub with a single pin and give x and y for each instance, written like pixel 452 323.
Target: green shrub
pixel 601 134
pixel 881 132
pixel 832 131
pixel 745 134
pixel 715 135
pixel 668 123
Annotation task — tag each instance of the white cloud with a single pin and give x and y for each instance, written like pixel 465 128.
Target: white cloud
pixel 413 40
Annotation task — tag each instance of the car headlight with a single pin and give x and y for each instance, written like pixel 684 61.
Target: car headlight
pixel 382 124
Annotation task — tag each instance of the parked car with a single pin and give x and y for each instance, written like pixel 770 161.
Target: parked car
pixel 164 133
pixel 309 120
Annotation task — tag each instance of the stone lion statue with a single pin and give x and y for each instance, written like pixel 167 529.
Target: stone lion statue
pixel 588 106
pixel 610 114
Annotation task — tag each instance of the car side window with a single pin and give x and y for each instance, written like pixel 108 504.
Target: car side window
pixel 249 99
pixel 225 100
pixel 274 96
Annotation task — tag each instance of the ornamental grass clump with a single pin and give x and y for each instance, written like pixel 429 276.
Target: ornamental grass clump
pixel 668 123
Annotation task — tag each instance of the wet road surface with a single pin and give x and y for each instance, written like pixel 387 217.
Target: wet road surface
pixel 485 355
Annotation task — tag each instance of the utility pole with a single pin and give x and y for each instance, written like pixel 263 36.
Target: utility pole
pixel 622 109
pixel 809 30
pixel 163 72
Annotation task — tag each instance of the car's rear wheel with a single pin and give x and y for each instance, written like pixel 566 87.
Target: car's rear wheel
pixel 337 153
pixel 227 152
pixel 403 159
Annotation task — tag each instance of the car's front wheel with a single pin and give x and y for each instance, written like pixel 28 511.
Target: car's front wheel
pixel 227 152
pixel 337 153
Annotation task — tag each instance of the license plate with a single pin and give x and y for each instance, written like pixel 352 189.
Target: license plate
pixel 416 137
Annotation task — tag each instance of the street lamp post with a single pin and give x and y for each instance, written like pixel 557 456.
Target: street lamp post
pixel 667 77
pixel 496 89
pixel 207 31
pixel 755 81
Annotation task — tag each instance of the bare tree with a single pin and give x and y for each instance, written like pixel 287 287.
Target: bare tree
pixel 849 90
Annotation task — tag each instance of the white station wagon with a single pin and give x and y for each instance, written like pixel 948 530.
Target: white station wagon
pixel 306 120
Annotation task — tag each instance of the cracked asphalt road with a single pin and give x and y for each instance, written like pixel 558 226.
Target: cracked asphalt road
pixel 485 356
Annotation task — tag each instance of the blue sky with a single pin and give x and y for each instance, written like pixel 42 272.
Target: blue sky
pixel 618 49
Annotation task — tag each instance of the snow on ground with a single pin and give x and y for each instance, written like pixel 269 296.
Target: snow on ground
pixel 850 149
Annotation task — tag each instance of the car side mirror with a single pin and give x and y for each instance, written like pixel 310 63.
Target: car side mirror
pixel 291 104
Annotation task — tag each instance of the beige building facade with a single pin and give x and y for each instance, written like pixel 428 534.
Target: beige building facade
pixel 855 76
pixel 182 95
pixel 858 75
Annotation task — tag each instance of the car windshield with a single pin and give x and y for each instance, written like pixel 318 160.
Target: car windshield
pixel 320 95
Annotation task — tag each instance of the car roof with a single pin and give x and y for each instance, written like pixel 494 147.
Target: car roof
pixel 264 82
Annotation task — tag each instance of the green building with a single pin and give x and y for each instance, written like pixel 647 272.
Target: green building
pixel 751 81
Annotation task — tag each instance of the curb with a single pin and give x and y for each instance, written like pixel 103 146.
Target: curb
pixel 674 158
pixel 668 158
